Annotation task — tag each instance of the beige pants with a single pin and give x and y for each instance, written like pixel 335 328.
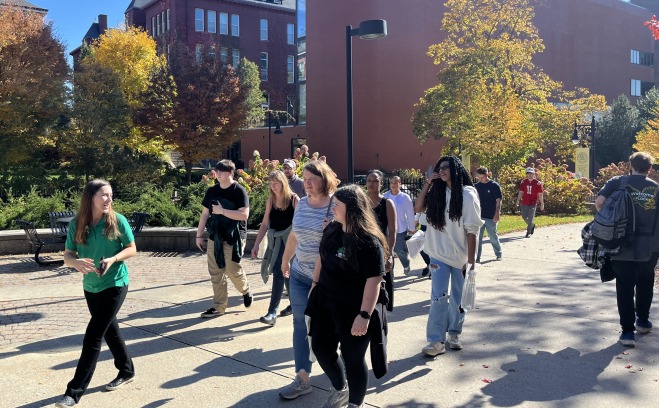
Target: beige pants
pixel 219 276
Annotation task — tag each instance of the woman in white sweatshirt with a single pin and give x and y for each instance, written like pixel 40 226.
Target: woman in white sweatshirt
pixel 453 213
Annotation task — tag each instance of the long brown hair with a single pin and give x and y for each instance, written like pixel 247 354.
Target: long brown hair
pixel 286 193
pixel 360 222
pixel 84 216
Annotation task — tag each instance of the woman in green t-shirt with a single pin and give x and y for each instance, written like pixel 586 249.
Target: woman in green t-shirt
pixel 98 242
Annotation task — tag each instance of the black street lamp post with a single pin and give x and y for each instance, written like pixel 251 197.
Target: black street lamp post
pixel 368 30
pixel 277 132
pixel 586 132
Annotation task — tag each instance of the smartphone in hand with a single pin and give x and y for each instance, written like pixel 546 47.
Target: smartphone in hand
pixel 102 265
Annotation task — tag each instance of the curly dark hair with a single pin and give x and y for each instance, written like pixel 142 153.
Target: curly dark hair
pixel 435 200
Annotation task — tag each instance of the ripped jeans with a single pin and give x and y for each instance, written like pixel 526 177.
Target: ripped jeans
pixel 445 312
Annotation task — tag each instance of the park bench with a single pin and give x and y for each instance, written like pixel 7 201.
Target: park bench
pixel 137 221
pixel 59 229
pixel 38 242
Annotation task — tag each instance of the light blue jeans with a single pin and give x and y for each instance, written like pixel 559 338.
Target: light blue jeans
pixel 445 312
pixel 400 248
pixel 299 294
pixel 491 228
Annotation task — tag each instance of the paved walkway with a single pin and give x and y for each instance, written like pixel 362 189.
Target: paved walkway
pixel 544 335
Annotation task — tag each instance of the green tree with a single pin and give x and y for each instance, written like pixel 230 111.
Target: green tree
pixel 646 104
pixel 647 139
pixel 617 132
pixel 99 123
pixel 250 81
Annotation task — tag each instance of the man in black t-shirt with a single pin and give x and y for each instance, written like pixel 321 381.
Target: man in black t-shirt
pixel 489 194
pixel 635 276
pixel 227 206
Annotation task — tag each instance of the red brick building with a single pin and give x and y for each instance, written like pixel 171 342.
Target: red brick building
pixel 598 44
pixel 263 31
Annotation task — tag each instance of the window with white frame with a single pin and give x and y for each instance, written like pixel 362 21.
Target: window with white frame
pixel 235 57
pixel 199 53
pixel 235 25
pixel 212 21
pixel 290 34
pixel 224 55
pixel 264 29
pixel 199 20
pixel 636 87
pixel 224 23
pixel 264 66
pixel 290 69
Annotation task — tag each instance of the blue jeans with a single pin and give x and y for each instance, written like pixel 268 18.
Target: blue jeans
pixel 278 283
pixel 491 228
pixel 445 312
pixel 400 249
pixel 299 294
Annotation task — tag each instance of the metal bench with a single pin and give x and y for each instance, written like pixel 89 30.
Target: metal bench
pixel 38 243
pixel 137 221
pixel 59 229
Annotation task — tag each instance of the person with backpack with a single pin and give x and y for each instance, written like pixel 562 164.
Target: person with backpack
pixel 633 265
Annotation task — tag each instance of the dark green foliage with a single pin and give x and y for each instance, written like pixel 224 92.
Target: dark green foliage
pixel 32 207
pixel 617 132
pixel 646 104
pixel 257 199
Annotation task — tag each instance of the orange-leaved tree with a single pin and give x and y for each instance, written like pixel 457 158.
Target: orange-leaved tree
pixel 209 107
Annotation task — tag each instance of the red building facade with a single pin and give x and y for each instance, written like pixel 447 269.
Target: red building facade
pixel 261 31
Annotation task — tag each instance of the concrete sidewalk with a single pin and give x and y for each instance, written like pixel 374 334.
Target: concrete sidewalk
pixel 544 334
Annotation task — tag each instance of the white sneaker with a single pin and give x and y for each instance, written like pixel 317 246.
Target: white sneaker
pixel 454 342
pixel 407 270
pixel 434 348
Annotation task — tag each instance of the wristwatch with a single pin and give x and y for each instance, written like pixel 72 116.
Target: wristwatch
pixel 366 315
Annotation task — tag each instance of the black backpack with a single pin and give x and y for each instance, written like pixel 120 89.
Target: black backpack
pixel 615 222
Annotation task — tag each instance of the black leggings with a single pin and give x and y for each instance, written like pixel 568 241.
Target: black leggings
pixel 326 334
pixel 103 307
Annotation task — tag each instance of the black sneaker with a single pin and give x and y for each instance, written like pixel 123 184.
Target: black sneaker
pixel 286 312
pixel 118 382
pixel 212 312
pixel 425 271
pixel 248 298
pixel 532 229
pixel 66 401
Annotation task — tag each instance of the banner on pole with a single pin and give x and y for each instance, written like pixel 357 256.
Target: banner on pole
pixel 582 162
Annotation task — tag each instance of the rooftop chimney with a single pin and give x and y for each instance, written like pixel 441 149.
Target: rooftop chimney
pixel 102 23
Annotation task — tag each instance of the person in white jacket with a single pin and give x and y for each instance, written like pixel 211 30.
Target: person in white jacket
pixel 453 214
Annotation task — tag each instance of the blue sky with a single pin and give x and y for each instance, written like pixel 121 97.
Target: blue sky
pixel 71 18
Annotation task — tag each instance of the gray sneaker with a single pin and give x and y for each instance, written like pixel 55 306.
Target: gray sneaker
pixel 295 389
pixel 434 348
pixel 337 398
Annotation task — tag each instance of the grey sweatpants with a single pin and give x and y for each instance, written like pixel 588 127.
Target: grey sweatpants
pixel 528 214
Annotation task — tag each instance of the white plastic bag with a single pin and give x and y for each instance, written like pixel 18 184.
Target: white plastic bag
pixel 415 243
pixel 263 247
pixel 469 290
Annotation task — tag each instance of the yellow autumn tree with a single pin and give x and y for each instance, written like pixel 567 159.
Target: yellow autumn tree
pixel 491 100
pixel 131 54
pixel 647 140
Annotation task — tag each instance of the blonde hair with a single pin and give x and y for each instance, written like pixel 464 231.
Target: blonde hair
pixel 84 216
pixel 286 193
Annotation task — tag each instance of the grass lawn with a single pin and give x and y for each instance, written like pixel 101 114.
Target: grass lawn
pixel 510 223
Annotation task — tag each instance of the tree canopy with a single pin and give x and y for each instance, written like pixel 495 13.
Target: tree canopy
pixel 491 99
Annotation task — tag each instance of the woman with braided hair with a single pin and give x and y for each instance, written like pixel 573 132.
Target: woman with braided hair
pixel 453 213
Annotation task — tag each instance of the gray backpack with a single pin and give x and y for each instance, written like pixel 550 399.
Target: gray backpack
pixel 616 220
